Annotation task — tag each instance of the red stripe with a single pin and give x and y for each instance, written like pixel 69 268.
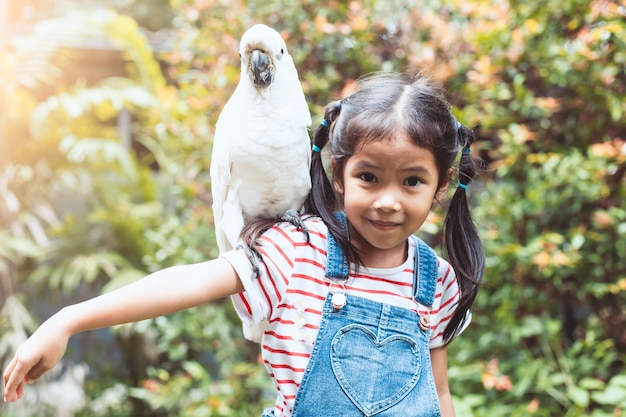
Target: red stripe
pixel 286 352
pixel 307 310
pixel 267 297
pixel 245 303
pixel 305 293
pixel 278 336
pixel 438 335
pixel 310 262
pixel 291 322
pixel 385 280
pixel 278 244
pixel 450 300
pixel 315 232
pixel 448 275
pixel 380 292
pixel 284 366
pixel 319 249
pixel 281 273
pixel 445 319
pixel 311 278
pixel 287 381
pixel 283 231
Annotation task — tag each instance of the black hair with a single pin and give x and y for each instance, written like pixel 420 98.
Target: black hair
pixel 384 105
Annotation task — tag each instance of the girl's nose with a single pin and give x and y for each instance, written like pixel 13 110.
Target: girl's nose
pixel 387 202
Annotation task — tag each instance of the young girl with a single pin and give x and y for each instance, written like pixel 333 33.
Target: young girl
pixel 359 311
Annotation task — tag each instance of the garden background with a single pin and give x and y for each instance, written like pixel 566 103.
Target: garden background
pixel 107 113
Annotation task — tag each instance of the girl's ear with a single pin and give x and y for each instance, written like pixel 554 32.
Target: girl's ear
pixel 441 192
pixel 337 181
pixel 338 187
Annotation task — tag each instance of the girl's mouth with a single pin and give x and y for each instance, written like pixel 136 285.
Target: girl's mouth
pixel 380 225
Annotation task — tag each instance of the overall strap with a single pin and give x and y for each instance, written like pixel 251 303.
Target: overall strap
pixel 425 273
pixel 337 267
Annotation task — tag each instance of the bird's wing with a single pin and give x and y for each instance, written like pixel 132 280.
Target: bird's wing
pixel 220 183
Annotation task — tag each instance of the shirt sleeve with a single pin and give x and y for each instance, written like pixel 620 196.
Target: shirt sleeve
pixel 262 294
pixel 446 302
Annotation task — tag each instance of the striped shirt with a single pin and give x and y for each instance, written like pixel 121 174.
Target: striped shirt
pixel 291 291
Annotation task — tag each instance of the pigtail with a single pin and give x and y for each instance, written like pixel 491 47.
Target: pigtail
pixel 463 245
pixel 322 200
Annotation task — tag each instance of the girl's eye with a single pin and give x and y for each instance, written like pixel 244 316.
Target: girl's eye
pixel 367 177
pixel 412 182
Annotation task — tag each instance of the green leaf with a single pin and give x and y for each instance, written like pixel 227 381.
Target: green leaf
pixel 579 396
pixel 592 384
pixel 194 369
pixel 612 395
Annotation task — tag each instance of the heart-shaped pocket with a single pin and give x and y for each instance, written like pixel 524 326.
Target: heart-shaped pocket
pixel 374 374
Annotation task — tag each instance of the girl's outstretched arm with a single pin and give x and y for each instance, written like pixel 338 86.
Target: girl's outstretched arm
pixel 163 292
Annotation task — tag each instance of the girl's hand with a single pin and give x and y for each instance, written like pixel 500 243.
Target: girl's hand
pixel 34 357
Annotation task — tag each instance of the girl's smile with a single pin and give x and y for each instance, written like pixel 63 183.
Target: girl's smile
pixel 388 188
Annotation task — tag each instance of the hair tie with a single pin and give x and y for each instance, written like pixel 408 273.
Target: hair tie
pixel 467 151
pixel 324 123
pixel 463 186
pixel 316 148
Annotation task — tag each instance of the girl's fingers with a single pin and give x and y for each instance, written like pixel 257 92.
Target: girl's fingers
pixel 8 381
pixel 8 371
pixel 19 391
pixel 13 389
pixel 15 376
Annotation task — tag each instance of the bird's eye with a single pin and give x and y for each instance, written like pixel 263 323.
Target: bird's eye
pixel 282 51
pixel 280 54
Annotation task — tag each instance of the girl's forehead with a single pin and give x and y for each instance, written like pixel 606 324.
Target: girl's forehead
pixel 396 152
pixel 401 143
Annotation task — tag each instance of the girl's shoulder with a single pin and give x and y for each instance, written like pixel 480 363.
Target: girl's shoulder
pixel 444 267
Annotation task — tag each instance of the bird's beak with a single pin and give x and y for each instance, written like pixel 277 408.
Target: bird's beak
pixel 261 69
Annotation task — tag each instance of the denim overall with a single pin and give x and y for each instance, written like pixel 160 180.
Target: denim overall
pixel 370 358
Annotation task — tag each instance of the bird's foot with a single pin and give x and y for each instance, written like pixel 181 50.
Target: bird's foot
pixel 253 256
pixel 293 217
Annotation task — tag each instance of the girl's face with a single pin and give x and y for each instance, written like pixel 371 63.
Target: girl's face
pixel 388 190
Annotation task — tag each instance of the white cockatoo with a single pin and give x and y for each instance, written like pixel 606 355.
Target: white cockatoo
pixel 261 149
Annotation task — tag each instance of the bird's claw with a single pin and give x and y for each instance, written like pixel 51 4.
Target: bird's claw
pixel 293 217
pixel 252 255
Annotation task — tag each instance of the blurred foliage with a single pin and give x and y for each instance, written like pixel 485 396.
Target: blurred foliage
pixel 88 206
